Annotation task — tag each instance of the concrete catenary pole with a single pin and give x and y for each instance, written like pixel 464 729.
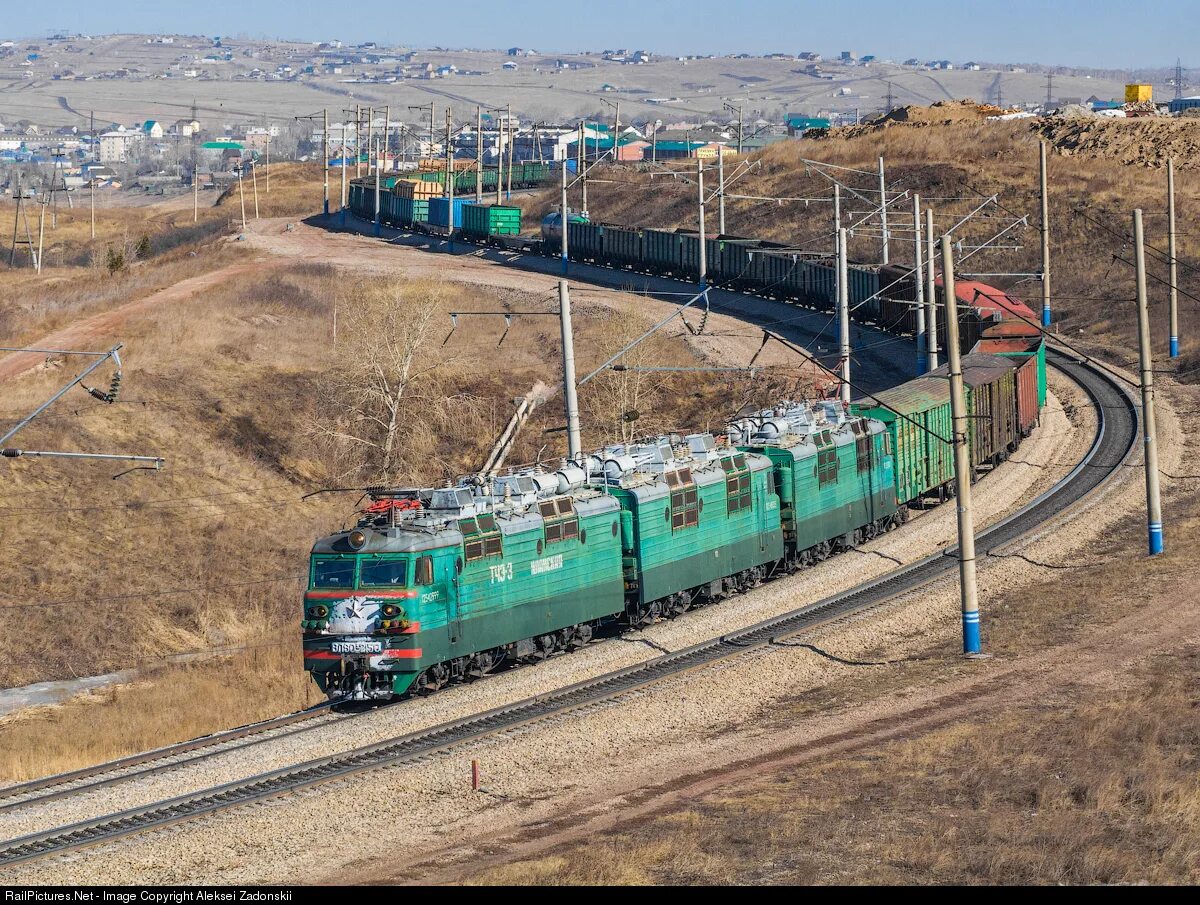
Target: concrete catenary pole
pixel 574 446
pixel 702 244
pixel 919 280
pixel 883 224
pixel 563 217
pixel 1150 434
pixel 358 131
pixel 342 208
pixel 254 182
pixel 720 192
pixel 450 178
pixel 581 164
pixel 1172 262
pixel 195 192
pixel 1045 231
pixel 370 136
pixel 931 321
pixel 837 210
pixel 378 188
pixel 267 165
pixel 241 196
pixel 843 310
pixel 92 199
pixel 962 459
pixel 512 141
pixel 478 154
pixel 325 159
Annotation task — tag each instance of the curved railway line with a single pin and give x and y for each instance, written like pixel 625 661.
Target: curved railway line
pixel 1115 442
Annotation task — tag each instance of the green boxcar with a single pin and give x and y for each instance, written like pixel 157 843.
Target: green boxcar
pixel 697 523
pixel 482 221
pixel 917 417
pixel 451 587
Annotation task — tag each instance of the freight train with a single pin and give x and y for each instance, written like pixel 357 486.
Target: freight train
pixel 437 585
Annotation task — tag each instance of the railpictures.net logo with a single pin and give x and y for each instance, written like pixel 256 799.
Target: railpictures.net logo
pixel 154 896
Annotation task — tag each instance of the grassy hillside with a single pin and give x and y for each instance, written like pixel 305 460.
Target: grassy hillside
pixel 955 161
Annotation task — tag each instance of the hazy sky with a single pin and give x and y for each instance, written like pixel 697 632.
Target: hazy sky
pixel 1099 33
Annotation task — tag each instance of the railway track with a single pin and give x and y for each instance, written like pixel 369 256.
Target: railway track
pixel 1114 443
pixel 113 772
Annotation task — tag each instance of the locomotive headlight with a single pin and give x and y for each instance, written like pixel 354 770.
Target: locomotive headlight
pixel 391 610
pixel 357 540
pixel 318 612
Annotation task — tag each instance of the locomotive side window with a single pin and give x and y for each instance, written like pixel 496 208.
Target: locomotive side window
pixel 685 508
pixel 424 572
pixel 862 447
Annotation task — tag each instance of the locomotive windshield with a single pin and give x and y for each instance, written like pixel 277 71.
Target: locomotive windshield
pixel 383 573
pixel 333 573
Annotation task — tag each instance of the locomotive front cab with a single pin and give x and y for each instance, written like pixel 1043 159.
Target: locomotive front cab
pixel 365 611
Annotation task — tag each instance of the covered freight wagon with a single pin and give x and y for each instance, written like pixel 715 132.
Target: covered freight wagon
pixel 917 417
pixel 991 406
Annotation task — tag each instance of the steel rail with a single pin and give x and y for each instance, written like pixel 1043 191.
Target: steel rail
pixel 71 782
pixel 1114 444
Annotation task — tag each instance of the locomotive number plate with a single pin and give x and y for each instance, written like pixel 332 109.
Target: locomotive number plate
pixel 356 647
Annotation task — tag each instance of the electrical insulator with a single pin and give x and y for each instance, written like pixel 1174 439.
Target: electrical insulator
pixel 114 388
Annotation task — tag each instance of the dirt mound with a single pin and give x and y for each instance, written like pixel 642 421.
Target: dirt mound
pixel 1141 141
pixel 942 113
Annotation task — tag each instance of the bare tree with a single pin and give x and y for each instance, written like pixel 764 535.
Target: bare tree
pixel 371 419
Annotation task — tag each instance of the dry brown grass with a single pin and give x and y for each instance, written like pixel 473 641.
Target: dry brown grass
pixel 967 161
pixel 1087 787
pixel 295 191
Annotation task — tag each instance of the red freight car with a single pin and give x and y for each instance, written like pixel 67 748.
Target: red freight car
pixel 1022 344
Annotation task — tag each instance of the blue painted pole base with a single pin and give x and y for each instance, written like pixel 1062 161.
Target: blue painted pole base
pixel 378 229
pixel 971 632
pixel 564 264
pixel 922 363
pixel 1045 317
pixel 326 206
pixel 1174 346
pixel 1156 538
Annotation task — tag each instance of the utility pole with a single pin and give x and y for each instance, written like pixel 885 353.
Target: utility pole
pixel 478 155
pixel 999 92
pixel 357 132
pixel 1178 78
pixel 563 218
pixel 1172 262
pixel 837 210
pixel 574 446
pixel 512 140
pixel 581 163
pixel 378 187
pixel 242 196
pixel 919 279
pixel 325 158
pixel 254 182
pixel 1045 230
pixel 370 130
pixel 720 191
pixel 387 135
pixel 703 243
pixel 267 165
pixel 931 324
pixel 450 178
pixel 1153 502
pixel 843 305
pixel 738 110
pixel 891 99
pixel 962 460
pixel 883 224
pixel 92 200
pixel 1049 90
